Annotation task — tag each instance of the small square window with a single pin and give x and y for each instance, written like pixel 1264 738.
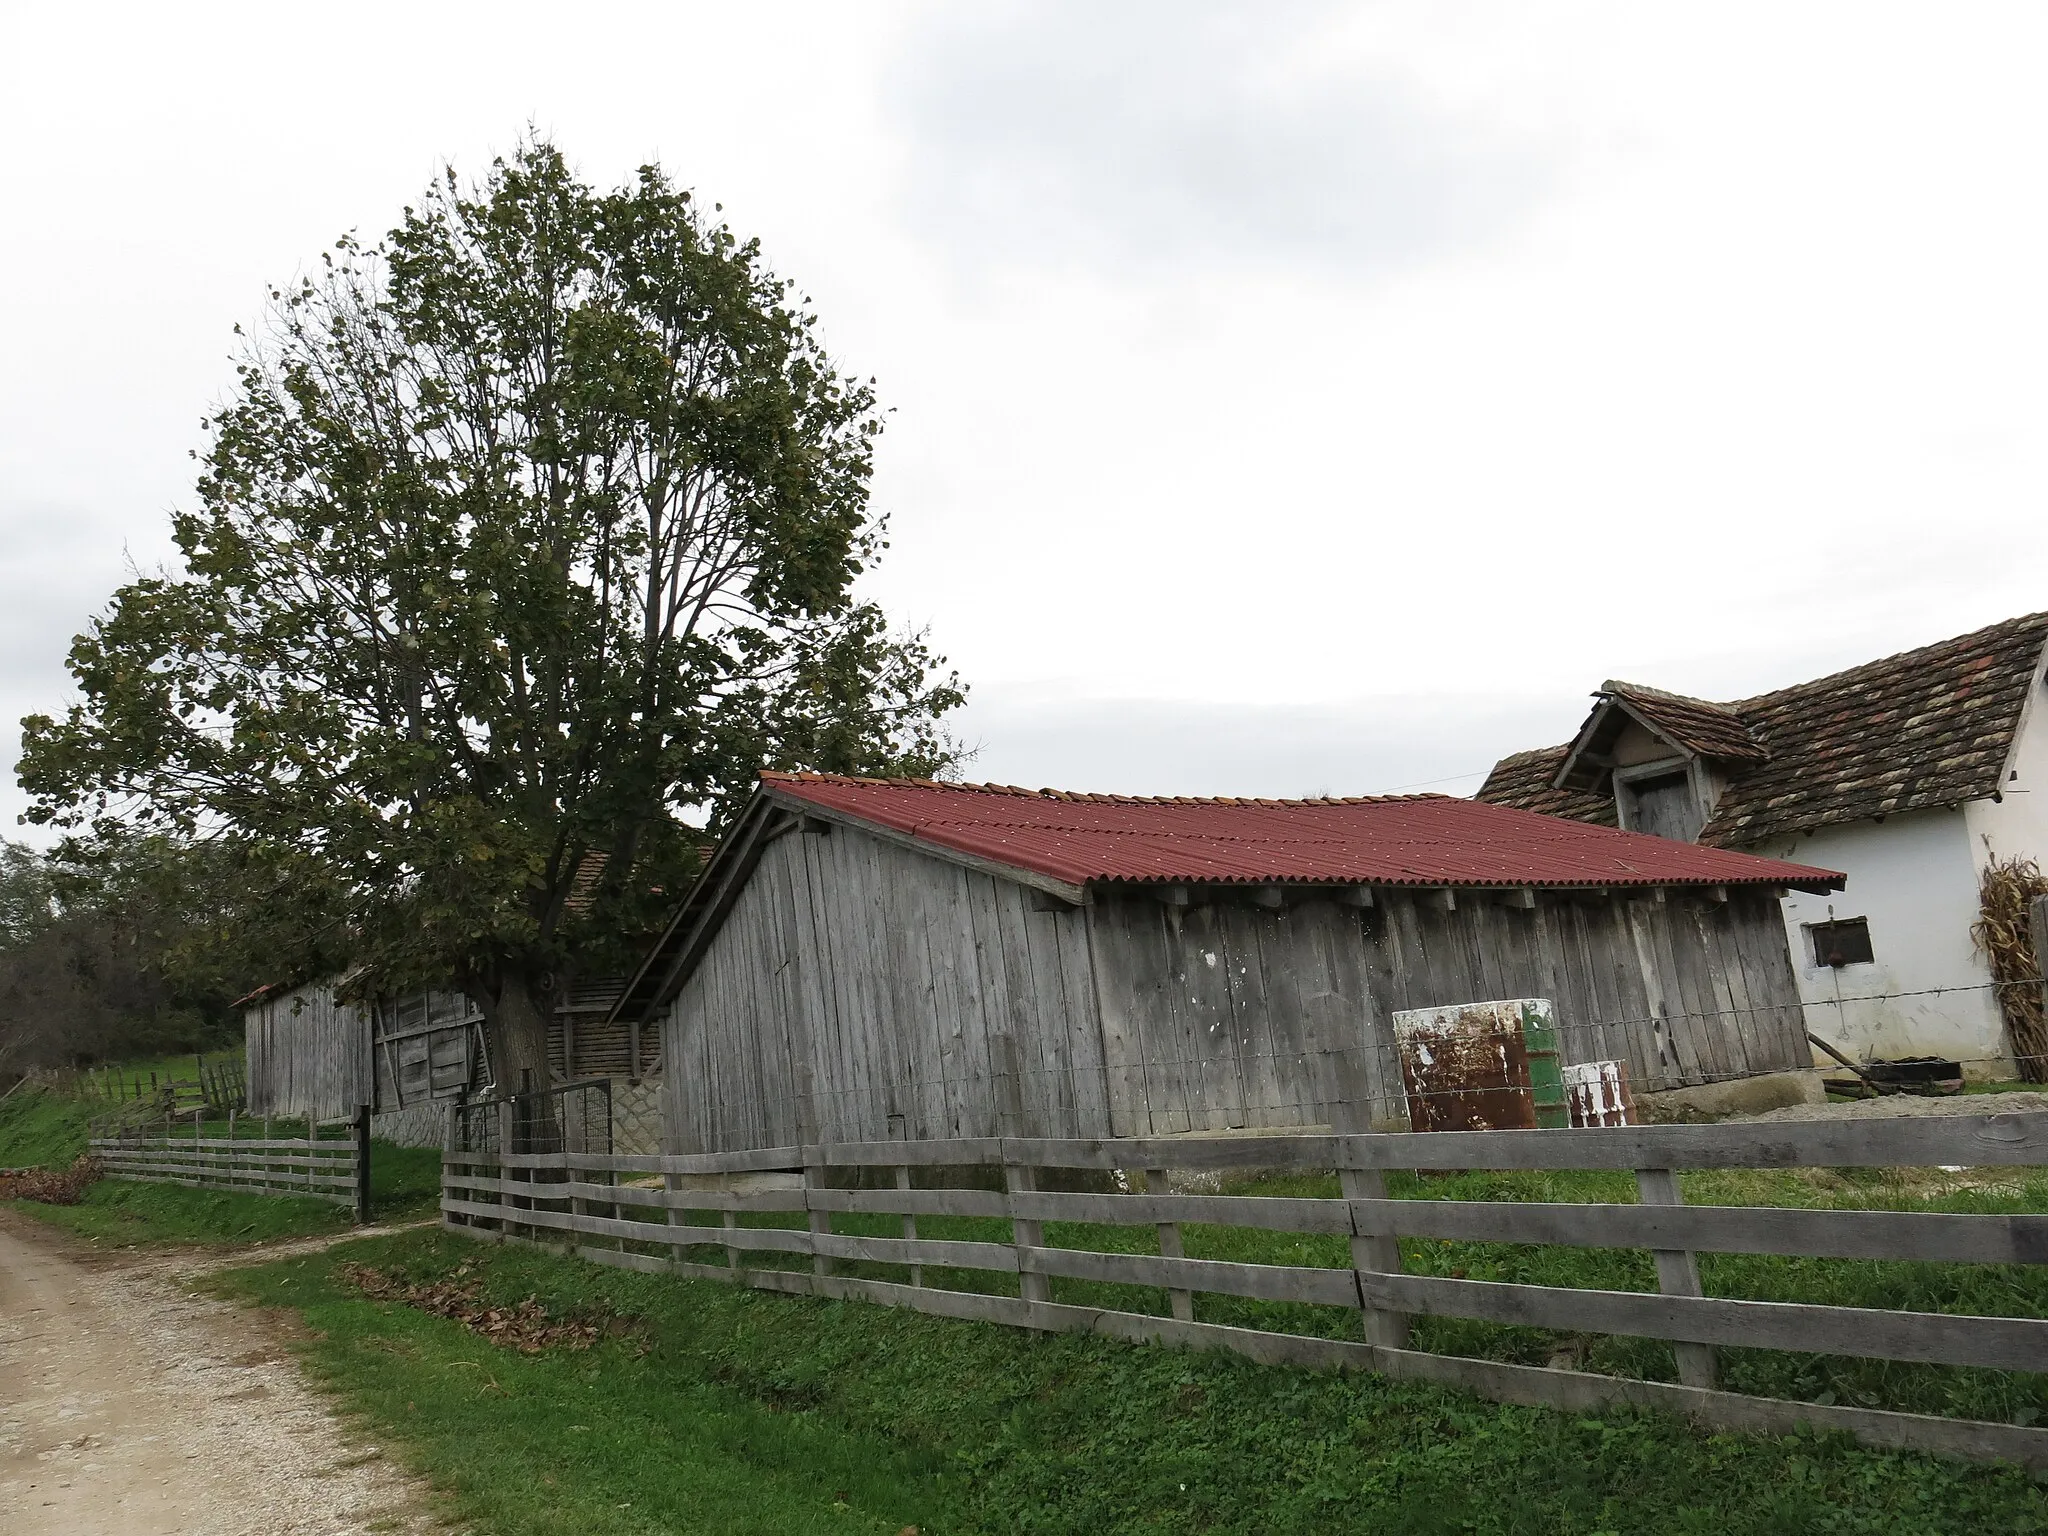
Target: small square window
pixel 1840 943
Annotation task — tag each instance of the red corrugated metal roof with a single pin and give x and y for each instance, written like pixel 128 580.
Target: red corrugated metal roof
pixel 1424 840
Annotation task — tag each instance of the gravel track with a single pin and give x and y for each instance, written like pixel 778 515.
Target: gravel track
pixel 131 1407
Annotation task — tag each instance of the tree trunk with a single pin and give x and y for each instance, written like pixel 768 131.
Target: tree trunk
pixel 516 1035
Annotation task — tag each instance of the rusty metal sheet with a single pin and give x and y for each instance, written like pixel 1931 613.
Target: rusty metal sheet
pixel 1488 1066
pixel 1430 841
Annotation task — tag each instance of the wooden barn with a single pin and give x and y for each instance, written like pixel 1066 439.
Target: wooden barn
pixel 875 959
pixel 309 1053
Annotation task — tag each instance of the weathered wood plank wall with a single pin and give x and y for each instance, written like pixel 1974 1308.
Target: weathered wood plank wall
pixel 427 1045
pixel 859 990
pixel 308 1054
pixel 1225 1015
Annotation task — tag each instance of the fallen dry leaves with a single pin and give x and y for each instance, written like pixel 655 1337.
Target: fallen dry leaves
pixel 48 1187
pixel 525 1326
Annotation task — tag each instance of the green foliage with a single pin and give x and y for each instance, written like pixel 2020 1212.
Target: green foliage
pixel 528 535
pixel 116 945
pixel 738 1411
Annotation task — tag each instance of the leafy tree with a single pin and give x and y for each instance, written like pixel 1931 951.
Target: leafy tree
pixel 114 947
pixel 528 535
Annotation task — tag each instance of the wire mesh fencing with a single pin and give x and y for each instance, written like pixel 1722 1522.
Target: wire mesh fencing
pixel 563 1118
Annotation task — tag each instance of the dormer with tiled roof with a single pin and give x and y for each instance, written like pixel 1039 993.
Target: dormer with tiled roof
pixel 1928 728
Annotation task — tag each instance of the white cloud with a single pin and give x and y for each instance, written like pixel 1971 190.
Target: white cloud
pixel 1251 364
pixel 1044 737
pixel 1159 137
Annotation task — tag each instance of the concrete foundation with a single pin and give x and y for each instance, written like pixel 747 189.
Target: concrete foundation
pixel 1741 1096
pixel 416 1125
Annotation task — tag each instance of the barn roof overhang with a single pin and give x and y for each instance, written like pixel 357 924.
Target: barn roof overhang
pixel 1491 866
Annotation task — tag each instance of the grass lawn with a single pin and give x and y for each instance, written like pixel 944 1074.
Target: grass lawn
pixel 2010 1291
pixel 39 1129
pixel 732 1411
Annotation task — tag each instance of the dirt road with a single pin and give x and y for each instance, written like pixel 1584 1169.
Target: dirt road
pixel 131 1407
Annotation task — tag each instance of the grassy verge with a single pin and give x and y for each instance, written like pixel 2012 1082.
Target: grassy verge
pixel 2010 1291
pixel 39 1129
pixel 121 1213
pixel 729 1411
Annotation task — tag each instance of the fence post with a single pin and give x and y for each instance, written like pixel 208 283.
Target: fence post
pixel 1678 1274
pixel 909 1225
pixel 506 1120
pixel 362 1165
pixel 1025 1233
pixel 1370 1254
pixel 820 1221
pixel 449 1136
pixel 1375 1255
pixel 670 1184
pixel 578 1208
pixel 1170 1248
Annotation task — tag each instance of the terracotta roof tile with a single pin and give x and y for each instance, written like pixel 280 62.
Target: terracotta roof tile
pixel 1711 730
pixel 1923 729
pixel 1926 728
pixel 1526 781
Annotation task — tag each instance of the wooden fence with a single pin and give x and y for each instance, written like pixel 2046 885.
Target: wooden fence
pixel 219 1086
pixel 333 1168
pixel 601 1207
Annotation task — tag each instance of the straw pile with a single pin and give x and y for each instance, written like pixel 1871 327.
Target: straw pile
pixel 2005 938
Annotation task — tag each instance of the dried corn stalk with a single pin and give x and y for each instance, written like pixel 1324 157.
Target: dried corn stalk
pixel 2004 936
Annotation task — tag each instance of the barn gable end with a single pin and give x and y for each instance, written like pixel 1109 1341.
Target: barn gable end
pixel 858 990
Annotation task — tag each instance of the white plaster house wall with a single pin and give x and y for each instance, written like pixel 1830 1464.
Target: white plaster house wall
pixel 2016 824
pixel 1910 774
pixel 1926 991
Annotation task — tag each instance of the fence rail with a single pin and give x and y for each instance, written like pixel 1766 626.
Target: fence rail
pixel 333 1168
pixel 656 1213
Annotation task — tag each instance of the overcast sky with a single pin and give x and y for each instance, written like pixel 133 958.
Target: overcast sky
pixel 1289 398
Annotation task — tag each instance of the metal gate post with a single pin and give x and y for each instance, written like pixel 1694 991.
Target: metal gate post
pixel 362 1165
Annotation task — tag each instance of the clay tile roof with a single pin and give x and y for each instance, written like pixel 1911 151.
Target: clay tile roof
pixel 1396 840
pixel 583 884
pixel 1527 781
pixel 1711 730
pixel 1920 730
pixel 1926 728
